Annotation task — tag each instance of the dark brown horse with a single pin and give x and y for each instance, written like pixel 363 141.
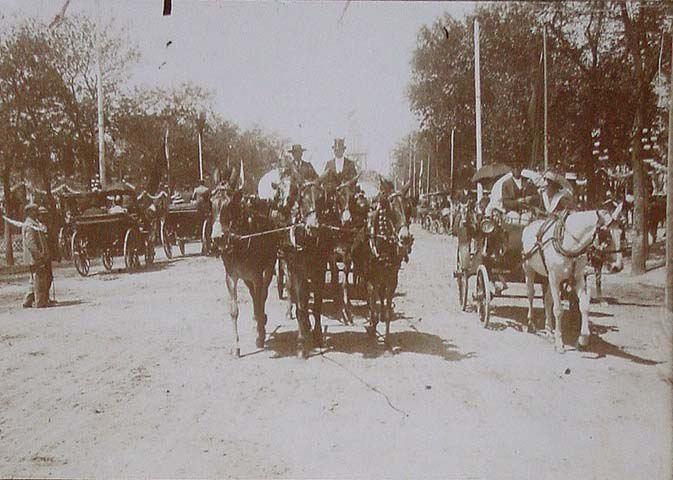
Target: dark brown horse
pixel 388 244
pixel 248 252
pixel 306 250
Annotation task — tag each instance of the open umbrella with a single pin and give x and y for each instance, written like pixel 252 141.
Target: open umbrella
pixel 490 171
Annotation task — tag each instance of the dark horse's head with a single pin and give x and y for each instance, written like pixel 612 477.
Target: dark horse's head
pixel 351 206
pixel 395 208
pixel 226 210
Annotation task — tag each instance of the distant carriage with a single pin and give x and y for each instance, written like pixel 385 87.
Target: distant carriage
pixel 181 224
pixel 97 232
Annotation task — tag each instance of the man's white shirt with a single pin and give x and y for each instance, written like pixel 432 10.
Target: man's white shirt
pixel 339 164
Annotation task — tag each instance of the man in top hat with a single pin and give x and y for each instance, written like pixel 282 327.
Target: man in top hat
pixel 300 170
pixel 340 168
pixel 36 256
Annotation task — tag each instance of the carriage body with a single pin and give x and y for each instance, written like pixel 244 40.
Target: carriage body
pixel 184 223
pixel 96 232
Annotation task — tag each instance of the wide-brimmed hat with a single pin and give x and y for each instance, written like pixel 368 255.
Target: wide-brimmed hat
pixel 31 207
pixel 296 148
pixel 339 143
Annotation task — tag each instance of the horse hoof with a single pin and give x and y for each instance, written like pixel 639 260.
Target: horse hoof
pixel 582 342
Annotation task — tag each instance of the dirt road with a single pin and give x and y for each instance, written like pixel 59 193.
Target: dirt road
pixel 131 377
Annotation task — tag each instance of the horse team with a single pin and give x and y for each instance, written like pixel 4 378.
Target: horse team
pixel 312 226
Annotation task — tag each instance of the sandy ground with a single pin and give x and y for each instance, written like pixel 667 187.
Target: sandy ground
pixel 131 377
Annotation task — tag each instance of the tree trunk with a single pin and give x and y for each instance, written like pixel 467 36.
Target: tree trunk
pixel 9 251
pixel 639 241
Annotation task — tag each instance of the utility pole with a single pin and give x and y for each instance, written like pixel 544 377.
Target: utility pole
pixel 544 57
pixel 99 92
pixel 669 201
pixel 477 94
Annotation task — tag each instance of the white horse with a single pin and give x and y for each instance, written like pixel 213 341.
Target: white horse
pixel 556 248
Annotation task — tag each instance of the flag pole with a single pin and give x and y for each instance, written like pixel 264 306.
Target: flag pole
pixel 477 93
pixel 544 55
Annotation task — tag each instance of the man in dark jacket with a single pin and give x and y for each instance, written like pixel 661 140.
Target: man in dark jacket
pixel 340 168
pixel 36 256
pixel 517 192
pixel 300 170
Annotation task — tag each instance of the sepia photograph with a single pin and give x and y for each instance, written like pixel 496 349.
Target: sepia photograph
pixel 344 239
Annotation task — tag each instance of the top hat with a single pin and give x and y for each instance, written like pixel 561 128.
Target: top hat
pixel 296 148
pixel 339 143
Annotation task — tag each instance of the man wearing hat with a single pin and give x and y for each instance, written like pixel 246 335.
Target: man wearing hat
pixel 36 256
pixel 300 170
pixel 340 168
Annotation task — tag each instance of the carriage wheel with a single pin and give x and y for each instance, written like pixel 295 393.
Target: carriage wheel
pixel 149 251
pixel 205 238
pixel 131 258
pixel 483 296
pixel 280 280
pixel 79 255
pixel 64 244
pixel 461 279
pixel 437 226
pixel 108 260
pixel 427 223
pixel 166 239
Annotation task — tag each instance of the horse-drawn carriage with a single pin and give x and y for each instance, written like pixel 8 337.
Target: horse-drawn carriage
pixel 182 223
pixel 554 250
pixel 98 231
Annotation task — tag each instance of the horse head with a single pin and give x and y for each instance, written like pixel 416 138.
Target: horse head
pixel 226 210
pixel 311 204
pixel 345 201
pixel 609 235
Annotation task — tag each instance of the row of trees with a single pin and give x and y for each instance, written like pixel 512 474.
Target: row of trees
pixel 48 109
pixel 605 71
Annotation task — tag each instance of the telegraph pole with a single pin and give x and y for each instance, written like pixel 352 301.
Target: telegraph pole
pixel 477 94
pixel 99 92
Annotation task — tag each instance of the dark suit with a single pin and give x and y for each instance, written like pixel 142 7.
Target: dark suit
pixel 512 194
pixel 302 171
pixel 348 171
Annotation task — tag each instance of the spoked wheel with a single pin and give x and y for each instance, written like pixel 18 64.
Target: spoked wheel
pixel 427 223
pixel 108 260
pixel 437 226
pixel 205 238
pixel 131 245
pixel 280 280
pixel 483 296
pixel 149 251
pixel 64 244
pixel 167 239
pixel 81 260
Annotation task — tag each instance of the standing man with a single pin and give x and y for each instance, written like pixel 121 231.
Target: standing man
pixel 300 170
pixel 36 256
pixel 340 168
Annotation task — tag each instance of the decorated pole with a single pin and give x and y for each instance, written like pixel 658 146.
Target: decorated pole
pixel 544 57
pixel 477 98
pixel 669 202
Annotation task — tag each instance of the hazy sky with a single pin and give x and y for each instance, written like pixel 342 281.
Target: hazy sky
pixel 290 67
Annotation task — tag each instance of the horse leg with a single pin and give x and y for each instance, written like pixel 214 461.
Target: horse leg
pixel 318 283
pixel 258 300
pixel 548 309
pixel 530 287
pixel 345 298
pixel 584 299
pixel 232 284
pixel 555 289
pixel 371 295
pixel 304 334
